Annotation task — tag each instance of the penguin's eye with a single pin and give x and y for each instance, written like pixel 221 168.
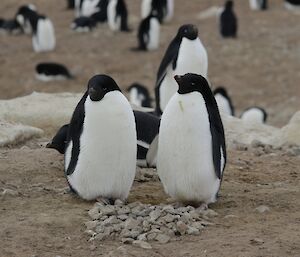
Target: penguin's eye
pixel 193 83
pixel 185 31
pixel 105 88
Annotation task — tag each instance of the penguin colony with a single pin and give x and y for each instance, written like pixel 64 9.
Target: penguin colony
pixel 105 139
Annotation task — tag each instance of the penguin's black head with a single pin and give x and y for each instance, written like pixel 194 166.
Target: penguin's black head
pixel 191 82
pixel 222 91
pixel 228 4
pixel 189 31
pixel 99 85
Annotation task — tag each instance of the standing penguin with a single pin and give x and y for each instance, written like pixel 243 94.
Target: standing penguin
pixel 228 21
pixel 100 158
pixel 191 144
pixel 185 54
pixel 254 114
pixel 139 95
pixel 117 15
pixel 70 4
pixel 224 101
pixel 41 28
pixel 164 9
pixel 148 33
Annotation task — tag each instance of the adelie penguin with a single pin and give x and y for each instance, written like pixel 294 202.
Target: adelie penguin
pixel 224 101
pixel 293 5
pixel 191 143
pixel 148 34
pixel 52 71
pixel 185 54
pixel 41 28
pixel 147 127
pixel 254 115
pixel 83 24
pixel 228 21
pixel 100 158
pixel 258 4
pixel 117 15
pixel 139 95
pixel 164 9
pixel 10 26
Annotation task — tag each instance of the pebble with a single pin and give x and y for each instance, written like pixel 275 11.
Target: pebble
pixel 262 209
pixel 142 244
pixel 135 222
pixel 257 241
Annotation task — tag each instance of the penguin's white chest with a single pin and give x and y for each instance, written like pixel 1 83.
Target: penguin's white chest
pixel 114 20
pixel 154 32
pixel 223 104
pixel 254 116
pixel 107 158
pixel 44 39
pixel 185 162
pixel 192 58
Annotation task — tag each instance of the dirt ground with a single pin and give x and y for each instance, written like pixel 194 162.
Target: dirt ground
pixel 260 68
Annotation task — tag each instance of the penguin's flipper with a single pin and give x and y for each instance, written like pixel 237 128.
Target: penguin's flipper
pixel 151 156
pixel 74 132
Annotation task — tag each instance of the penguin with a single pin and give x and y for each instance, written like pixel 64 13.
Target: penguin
pixel 223 100
pixel 147 127
pixel 89 7
pixel 100 157
pixel 10 26
pixel 191 143
pixel 148 33
pixel 52 71
pixel 292 4
pixel 163 8
pixel 185 54
pixel 139 95
pixel 83 24
pixel 101 15
pixel 228 21
pixel 258 4
pixel 70 4
pixel 117 15
pixel 59 141
pixel 254 114
pixel 41 28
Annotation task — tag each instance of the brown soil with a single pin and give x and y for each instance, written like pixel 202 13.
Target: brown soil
pixel 259 68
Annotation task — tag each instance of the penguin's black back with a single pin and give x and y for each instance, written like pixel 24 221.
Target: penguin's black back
pixel 121 10
pixel 53 69
pixel 101 16
pixel 71 4
pixel 143 31
pixel 84 22
pixel 228 21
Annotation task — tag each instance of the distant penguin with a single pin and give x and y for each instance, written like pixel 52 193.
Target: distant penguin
pixel 164 9
pixel 52 71
pixel 228 21
pixel 224 101
pixel 41 28
pixel 117 15
pixel 100 158
pixel 59 141
pixel 254 115
pixel 83 24
pixel 101 15
pixel 185 54
pixel 10 26
pixel 148 33
pixel 139 95
pixel 147 127
pixel 258 4
pixel 292 5
pixel 70 4
pixel 89 7
pixel 191 143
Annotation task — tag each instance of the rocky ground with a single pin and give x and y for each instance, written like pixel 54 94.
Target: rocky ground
pixel 258 210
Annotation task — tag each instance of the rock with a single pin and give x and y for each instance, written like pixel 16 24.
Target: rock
pixel 198 225
pixel 131 223
pixel 262 209
pixel 169 218
pixel 142 244
pixel 256 241
pixel 107 210
pixel 127 240
pixel 90 232
pixel 142 237
pixel 231 216
pixel 181 227
pixel 162 238
pixel 122 217
pixel 90 225
pixel 111 220
pixel 154 215
pixel 192 231
pixel 210 213
pixel 151 236
pixel 94 213
pixel 123 210
pixel 118 202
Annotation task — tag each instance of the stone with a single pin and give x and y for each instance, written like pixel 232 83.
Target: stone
pixel 198 225
pixel 94 213
pixel 107 210
pixel 154 215
pixel 123 210
pixel 111 220
pixel 192 231
pixel 181 227
pixel 131 223
pixel 118 202
pixel 142 244
pixel 169 218
pixel 91 224
pixel 142 237
pixel 262 209
pixel 122 217
pixel 162 238
pixel 127 240
pixel 257 241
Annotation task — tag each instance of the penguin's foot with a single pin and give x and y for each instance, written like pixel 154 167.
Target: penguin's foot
pixel 105 201
pixel 202 207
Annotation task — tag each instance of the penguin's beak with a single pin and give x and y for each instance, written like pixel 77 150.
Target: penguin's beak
pixel 49 145
pixel 178 79
pixel 94 94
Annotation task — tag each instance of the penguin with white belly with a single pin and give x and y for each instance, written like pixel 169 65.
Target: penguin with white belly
pixel 191 144
pixel 224 101
pixel 117 15
pixel 254 115
pixel 185 54
pixel 100 157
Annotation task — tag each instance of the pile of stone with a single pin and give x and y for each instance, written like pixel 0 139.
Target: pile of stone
pixel 136 222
